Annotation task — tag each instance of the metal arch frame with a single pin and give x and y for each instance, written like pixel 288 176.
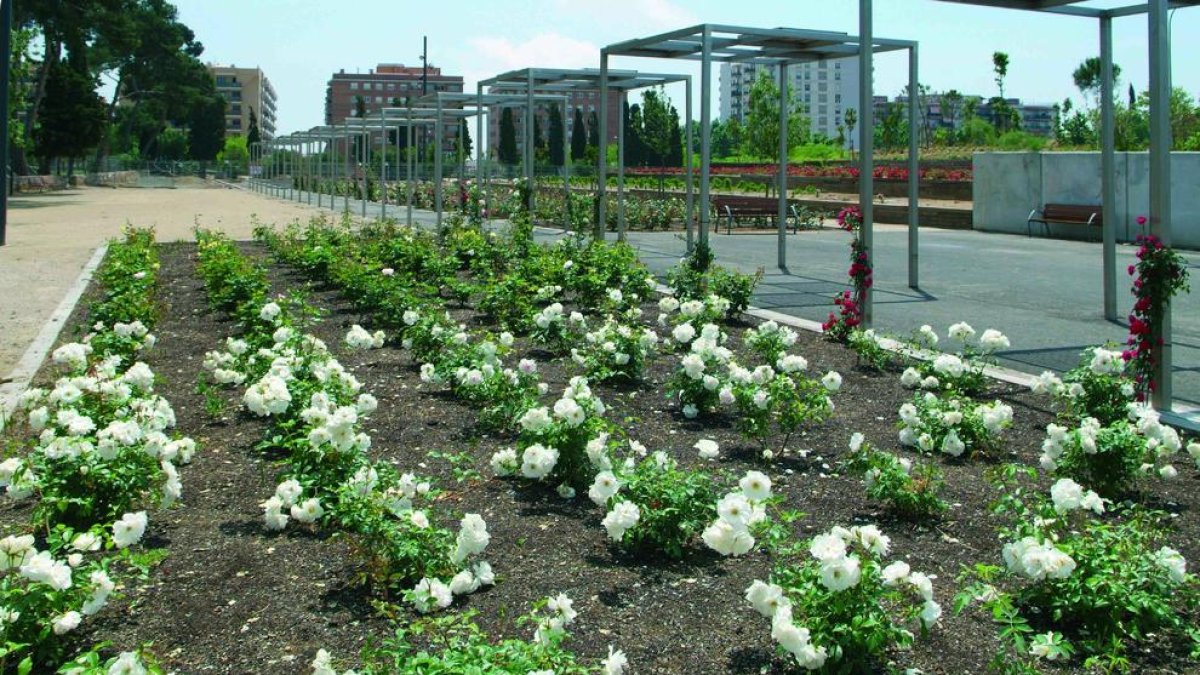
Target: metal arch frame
pixel 1160 144
pixel 478 111
pixel 623 81
pixel 785 46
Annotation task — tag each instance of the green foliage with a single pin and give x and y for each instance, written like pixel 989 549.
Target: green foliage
pixel 910 491
pixel 454 644
pixel 1020 141
pixel 73 117
pixel 236 152
pixel 1100 586
pixel 952 424
pixel 674 505
pixel 508 138
pixel 870 353
pixel 762 122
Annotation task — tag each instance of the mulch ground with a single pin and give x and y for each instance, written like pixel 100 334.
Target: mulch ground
pixel 233 598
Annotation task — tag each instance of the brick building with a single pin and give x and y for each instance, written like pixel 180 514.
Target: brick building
pixel 381 86
pixel 245 89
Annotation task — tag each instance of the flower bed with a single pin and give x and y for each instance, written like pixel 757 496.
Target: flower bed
pixel 281 595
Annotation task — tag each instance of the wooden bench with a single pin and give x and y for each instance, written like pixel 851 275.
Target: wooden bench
pixel 732 208
pixel 1064 214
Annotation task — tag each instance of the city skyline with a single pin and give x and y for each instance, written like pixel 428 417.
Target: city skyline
pixel 956 42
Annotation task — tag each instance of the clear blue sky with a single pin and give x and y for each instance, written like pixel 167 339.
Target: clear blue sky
pixel 299 43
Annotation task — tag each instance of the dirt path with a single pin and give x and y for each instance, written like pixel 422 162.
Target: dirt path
pixel 51 237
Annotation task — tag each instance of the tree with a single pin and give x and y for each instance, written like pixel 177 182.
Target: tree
pixel 675 153
pixel 1087 78
pixel 507 149
pixel 762 123
pixel 465 145
pixel 593 130
pixel 253 135
pixel 635 153
pixel 73 116
pixel 236 153
pixel 850 117
pixel 578 137
pixel 727 137
pixel 656 137
pixel 1000 67
pixel 952 102
pixel 556 141
pixel 206 129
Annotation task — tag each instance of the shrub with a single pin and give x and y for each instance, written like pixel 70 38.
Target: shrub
pixel 953 425
pixel 910 491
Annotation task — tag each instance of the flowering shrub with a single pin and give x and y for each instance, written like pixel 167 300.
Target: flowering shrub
pixel 960 372
pixel 455 644
pixel 871 354
pixel 700 381
pixel 850 313
pixel 46 594
pixel 741 515
pixel 910 491
pixel 697 278
pixel 1081 584
pixel 1111 458
pixel 556 441
pixel 769 341
pixel 556 330
pixel 1097 387
pixel 835 608
pixel 782 399
pixel 953 424
pixel 654 505
pixel 1161 274
pixel 615 350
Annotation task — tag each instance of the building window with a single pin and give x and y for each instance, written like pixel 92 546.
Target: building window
pixel 391 86
pixel 353 86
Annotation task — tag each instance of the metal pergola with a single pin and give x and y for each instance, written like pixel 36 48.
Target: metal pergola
pixel 782 47
pixel 592 79
pixel 478 106
pixel 1160 139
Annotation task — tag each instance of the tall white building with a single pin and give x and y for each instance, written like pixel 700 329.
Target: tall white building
pixel 825 88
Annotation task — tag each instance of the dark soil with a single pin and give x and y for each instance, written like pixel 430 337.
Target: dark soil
pixel 233 598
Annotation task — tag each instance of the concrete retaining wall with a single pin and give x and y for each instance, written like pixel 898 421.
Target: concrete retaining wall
pixel 39 183
pixel 1010 184
pixel 115 179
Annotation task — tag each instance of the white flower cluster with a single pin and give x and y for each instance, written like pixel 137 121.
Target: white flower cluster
pixel 614 347
pixel 135 332
pixel 1037 559
pixel 934 423
pixel 674 313
pixel 287 496
pixel 1161 441
pixel 737 513
pixel 839 555
pixel 431 594
pixel 360 338
pixel 1068 496
pixel 97 419
pixel 552 325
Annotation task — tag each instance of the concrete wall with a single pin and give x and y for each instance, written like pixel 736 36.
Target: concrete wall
pixel 1010 184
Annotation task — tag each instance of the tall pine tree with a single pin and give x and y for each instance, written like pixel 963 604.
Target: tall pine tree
pixel 578 137
pixel 507 149
pixel 593 130
pixel 555 141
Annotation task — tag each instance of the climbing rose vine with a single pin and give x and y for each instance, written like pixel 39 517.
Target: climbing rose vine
pixel 849 312
pixel 1159 274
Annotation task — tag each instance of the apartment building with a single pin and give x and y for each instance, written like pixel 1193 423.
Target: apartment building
pixel 246 89
pixel 826 89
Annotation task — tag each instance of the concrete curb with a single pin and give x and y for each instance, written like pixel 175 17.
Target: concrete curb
pixel 27 367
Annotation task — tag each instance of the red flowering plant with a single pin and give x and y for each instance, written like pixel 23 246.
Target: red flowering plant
pixel 848 314
pixel 1159 274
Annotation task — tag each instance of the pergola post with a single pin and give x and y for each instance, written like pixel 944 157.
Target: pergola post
pixel 1160 182
pixel 321 169
pixel 705 131
pixel 530 112
pixel 480 148
pixel 602 158
pixel 784 110
pixel 437 163
pixel 621 167
pixel 566 160
pixel 1108 169
pixel 866 142
pixel 383 146
pixel 690 201
pixel 914 170
pixel 411 162
pixel 365 165
pixel 346 165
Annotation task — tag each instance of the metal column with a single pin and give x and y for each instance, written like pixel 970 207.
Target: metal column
pixel 621 168
pixel 479 148
pixel 784 110
pixel 1160 181
pixel 437 163
pixel 602 152
pixel 1108 169
pixel 705 132
pixel 690 201
pixel 346 166
pixel 383 146
pixel 914 170
pixel 866 133
pixel 365 154
pixel 411 161
pixel 529 151
pixel 566 160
